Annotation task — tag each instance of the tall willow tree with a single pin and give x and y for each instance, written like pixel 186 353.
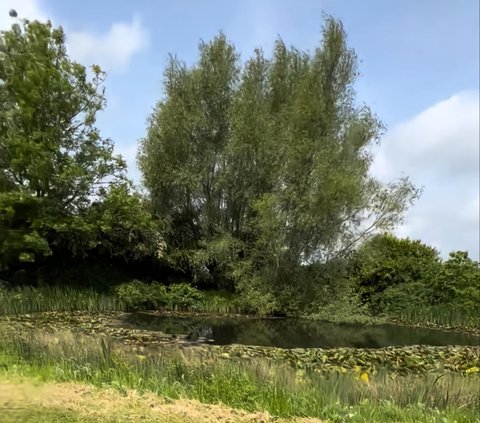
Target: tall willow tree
pixel 263 168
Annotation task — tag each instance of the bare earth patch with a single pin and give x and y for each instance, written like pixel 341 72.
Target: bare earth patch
pixel 110 405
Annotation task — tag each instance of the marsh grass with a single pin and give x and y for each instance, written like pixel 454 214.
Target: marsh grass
pixel 441 316
pixel 23 300
pixel 262 385
pixel 26 299
pixel 221 303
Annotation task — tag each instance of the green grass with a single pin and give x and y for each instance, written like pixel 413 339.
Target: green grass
pixel 24 300
pixel 259 386
pixel 221 302
pixel 441 316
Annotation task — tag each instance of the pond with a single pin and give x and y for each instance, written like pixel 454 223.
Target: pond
pixel 295 333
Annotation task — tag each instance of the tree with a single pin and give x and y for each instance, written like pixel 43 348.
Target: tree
pixel 390 272
pixel 48 142
pixel 53 160
pixel 124 225
pixel 19 240
pixel 269 160
pixel 458 282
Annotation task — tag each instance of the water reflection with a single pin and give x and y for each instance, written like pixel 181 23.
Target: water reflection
pixel 295 333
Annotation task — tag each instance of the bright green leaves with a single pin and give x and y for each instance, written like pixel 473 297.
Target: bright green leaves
pixel 54 162
pixel 48 144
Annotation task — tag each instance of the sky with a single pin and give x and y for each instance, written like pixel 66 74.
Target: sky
pixel 419 65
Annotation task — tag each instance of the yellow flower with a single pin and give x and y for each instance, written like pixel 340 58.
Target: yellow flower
pixel 364 377
pixel 472 370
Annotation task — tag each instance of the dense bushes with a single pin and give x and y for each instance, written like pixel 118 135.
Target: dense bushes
pixel 457 282
pixel 397 277
pixel 141 296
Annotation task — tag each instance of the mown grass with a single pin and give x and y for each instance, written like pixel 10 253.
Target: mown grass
pixel 47 415
pixel 261 385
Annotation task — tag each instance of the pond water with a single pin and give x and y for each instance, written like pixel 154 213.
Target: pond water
pixel 295 333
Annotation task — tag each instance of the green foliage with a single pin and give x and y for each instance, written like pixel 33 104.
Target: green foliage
pixel 406 280
pixel 395 300
pixel 439 315
pixel 222 303
pixel 386 264
pixel 125 225
pixel 26 299
pixel 458 282
pixel 264 165
pixel 19 238
pixel 117 224
pixel 183 296
pixel 49 146
pixel 142 296
pixel 54 162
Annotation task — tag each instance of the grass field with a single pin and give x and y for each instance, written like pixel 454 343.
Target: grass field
pixel 258 387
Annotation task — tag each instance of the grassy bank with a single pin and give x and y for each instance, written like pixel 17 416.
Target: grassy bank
pixel 258 386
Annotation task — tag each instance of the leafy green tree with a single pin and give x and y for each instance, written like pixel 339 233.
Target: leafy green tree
pixel 19 240
pixel 269 160
pixel 53 161
pixel 385 262
pixel 124 225
pixel 458 282
pixel 49 146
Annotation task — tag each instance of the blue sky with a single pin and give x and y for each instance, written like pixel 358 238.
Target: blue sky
pixel 419 72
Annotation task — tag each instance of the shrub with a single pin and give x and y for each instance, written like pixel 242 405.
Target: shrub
pixel 141 296
pixel 458 282
pixel 386 262
pixel 397 299
pixel 183 296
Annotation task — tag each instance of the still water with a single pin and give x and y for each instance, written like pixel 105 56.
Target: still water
pixel 295 333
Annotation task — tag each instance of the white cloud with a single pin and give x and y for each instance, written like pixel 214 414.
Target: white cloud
pixel 439 150
pixel 29 9
pixel 112 50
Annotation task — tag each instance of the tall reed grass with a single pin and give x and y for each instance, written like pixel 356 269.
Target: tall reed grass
pixel 23 300
pixel 441 316
pixel 26 299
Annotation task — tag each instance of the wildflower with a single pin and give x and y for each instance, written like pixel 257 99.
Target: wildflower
pixel 364 377
pixel 472 370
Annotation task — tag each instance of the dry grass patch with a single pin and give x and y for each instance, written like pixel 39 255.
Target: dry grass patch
pixel 110 405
